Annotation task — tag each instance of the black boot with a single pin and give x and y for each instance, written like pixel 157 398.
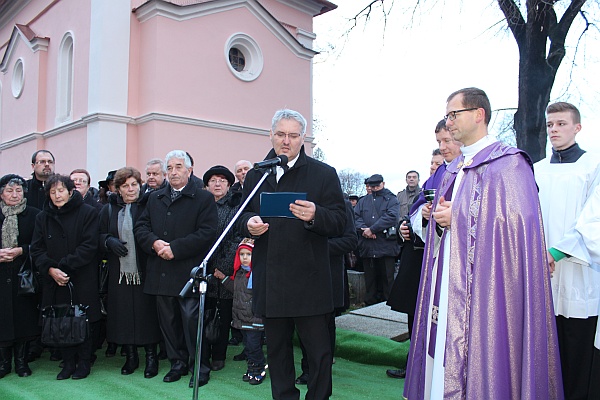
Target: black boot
pixel 5 361
pixel 151 361
pixel 132 360
pixel 69 364
pixel 21 368
pixel 35 350
pixel 84 367
pixel 111 350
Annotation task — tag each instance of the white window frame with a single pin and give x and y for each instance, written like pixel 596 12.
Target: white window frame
pixel 18 78
pixel 252 55
pixel 64 89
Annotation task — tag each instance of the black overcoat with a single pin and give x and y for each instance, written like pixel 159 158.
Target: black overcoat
pixel 132 316
pixel 189 224
pixel 67 238
pixel 338 247
pixel 290 262
pixel 18 314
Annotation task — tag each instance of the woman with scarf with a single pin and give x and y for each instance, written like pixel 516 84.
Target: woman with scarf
pixel 217 180
pixel 132 318
pixel 64 249
pixel 18 314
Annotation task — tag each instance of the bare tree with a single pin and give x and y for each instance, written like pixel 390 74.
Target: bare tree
pixel 352 182
pixel 540 37
pixel 319 154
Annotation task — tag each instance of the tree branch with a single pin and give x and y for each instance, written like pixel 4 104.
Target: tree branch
pixel 514 19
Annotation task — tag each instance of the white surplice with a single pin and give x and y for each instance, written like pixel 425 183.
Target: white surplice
pixel 564 190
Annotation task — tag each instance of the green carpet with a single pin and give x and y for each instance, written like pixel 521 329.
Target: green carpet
pixel 359 373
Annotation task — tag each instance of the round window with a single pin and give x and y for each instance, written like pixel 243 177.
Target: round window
pixel 18 78
pixel 244 57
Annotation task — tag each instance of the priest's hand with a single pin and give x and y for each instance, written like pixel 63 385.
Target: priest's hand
pixel 426 211
pixel 404 231
pixel 551 264
pixel 443 213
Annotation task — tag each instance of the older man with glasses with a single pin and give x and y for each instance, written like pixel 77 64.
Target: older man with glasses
pixel 291 277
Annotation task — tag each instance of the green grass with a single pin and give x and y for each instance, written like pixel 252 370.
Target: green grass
pixel 359 373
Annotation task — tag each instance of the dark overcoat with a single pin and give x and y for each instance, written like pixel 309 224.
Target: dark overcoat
pixel 188 223
pixel 132 316
pixel 378 211
pixel 18 314
pixel 67 238
pixel 338 247
pixel 291 273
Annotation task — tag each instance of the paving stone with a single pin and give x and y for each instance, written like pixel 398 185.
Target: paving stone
pixel 377 320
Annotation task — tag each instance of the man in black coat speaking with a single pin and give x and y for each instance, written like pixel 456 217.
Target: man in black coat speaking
pixel 177 229
pixel 291 274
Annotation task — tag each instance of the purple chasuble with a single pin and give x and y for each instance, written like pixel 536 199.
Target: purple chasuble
pixel 501 340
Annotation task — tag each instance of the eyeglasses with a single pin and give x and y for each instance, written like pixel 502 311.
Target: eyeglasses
pixel 281 135
pixel 80 180
pixel 452 114
pixel 42 162
pixel 215 181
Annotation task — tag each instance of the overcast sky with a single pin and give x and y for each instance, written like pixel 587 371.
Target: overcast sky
pixel 379 92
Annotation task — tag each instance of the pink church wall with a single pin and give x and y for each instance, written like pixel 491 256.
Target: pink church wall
pixel 175 68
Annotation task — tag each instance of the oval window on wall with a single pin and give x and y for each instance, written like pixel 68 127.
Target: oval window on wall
pixel 18 78
pixel 243 57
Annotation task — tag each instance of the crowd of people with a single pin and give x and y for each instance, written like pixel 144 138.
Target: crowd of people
pixel 494 259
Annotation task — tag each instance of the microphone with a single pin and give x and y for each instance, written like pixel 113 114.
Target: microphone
pixel 281 160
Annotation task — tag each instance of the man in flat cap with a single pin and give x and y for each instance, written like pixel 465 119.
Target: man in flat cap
pixel 375 213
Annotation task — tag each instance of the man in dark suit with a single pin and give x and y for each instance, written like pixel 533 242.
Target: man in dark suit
pixel 291 275
pixel 177 229
pixel 42 164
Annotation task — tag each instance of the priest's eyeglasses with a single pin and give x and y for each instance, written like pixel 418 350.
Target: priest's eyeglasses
pixel 452 114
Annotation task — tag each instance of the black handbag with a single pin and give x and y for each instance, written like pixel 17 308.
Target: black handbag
pixel 65 325
pixel 212 325
pixel 28 282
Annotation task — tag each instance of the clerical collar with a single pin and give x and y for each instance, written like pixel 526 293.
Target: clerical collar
pixel 470 151
pixel 566 156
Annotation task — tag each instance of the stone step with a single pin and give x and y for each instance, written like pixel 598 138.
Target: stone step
pixel 377 320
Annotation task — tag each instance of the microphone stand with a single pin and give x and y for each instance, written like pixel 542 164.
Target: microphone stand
pixel 199 280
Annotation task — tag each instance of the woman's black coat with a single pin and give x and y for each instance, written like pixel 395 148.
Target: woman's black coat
pixel 132 316
pixel 18 314
pixel 67 238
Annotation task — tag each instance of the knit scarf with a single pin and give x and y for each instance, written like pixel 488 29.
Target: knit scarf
pixel 128 263
pixel 10 226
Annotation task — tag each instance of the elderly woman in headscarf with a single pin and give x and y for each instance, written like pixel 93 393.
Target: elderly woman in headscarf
pixel 18 314
pixel 64 249
pixel 217 181
pixel 132 316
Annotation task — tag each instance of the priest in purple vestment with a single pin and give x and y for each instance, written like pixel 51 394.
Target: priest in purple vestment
pixel 485 326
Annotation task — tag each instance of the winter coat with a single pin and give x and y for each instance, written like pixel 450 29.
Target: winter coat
pixel 243 316
pixel 338 247
pixel 189 224
pixel 132 316
pixel 35 193
pixel 67 238
pixel 223 257
pixel 291 273
pixel 378 211
pixel 18 314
